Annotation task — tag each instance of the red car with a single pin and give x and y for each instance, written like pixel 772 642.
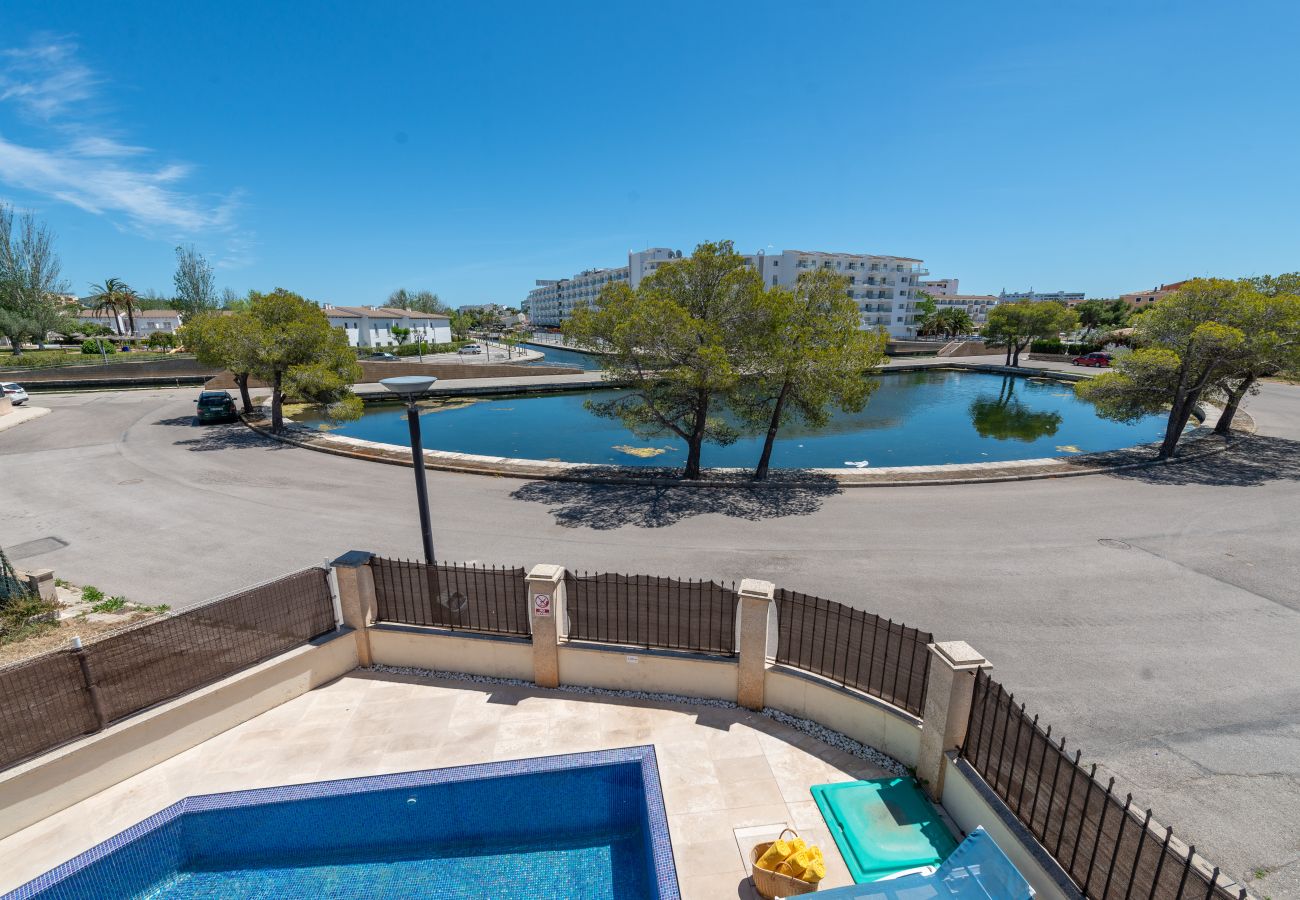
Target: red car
pixel 1101 360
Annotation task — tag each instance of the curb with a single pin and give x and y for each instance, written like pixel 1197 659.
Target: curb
pixel 17 417
pixel 1203 445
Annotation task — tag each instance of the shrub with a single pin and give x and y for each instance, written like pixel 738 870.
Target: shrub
pixel 161 340
pixel 91 594
pixel 413 349
pixel 93 346
pixel 1051 345
pixel 25 616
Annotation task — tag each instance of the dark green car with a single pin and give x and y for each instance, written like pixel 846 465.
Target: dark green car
pixel 216 406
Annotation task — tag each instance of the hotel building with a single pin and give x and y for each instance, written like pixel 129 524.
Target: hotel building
pixel 884 287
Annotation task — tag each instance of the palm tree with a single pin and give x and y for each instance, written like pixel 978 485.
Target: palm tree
pixel 115 296
pixel 953 321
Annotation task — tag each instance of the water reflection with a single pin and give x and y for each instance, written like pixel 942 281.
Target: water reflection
pixel 1006 418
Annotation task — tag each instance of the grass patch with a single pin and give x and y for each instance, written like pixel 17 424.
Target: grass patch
pixel 110 605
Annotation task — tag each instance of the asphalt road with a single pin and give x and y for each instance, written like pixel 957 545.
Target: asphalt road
pixel 1152 617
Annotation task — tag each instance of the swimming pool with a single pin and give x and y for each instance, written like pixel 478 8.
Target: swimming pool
pixel 918 418
pixel 585 825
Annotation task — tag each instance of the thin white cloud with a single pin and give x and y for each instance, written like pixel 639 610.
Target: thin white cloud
pixel 83 163
pixel 45 78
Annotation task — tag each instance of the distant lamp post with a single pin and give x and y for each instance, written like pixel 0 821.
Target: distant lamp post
pixel 410 388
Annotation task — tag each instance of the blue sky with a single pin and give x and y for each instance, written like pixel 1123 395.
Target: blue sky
pixel 343 150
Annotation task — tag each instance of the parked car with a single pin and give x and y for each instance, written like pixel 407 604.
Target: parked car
pixel 384 357
pixel 14 392
pixel 470 349
pixel 216 406
pixel 1100 360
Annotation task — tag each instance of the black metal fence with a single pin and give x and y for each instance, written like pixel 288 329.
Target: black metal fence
pixel 461 597
pixel 52 699
pixel 880 657
pixel 1109 848
pixel 649 611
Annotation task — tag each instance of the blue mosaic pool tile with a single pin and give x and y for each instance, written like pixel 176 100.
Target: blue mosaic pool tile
pixel 579 825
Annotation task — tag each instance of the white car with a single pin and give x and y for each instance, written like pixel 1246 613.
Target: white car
pixel 471 348
pixel 14 392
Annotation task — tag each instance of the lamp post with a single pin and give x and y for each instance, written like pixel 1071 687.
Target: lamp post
pixel 410 388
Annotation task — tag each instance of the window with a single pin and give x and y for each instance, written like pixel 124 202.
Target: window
pixel 773 281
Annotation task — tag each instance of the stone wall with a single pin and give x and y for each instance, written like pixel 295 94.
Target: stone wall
pixel 181 367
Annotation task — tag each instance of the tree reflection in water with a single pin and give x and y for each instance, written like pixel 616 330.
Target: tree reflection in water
pixel 1006 418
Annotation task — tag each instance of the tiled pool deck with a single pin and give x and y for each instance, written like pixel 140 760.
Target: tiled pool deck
pixel 721 769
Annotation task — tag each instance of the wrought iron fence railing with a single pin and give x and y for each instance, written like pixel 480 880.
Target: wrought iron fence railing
pixel 652 612
pixel 460 597
pixel 880 657
pixel 1109 848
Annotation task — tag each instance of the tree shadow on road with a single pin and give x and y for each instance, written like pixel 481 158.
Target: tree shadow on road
pixel 227 436
pixel 581 504
pixel 180 421
pixel 1249 461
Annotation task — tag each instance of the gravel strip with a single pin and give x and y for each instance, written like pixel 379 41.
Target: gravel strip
pixel 806 726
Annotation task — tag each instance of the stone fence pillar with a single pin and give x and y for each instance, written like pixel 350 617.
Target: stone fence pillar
pixel 949 690
pixel 756 622
pixel 356 586
pixel 41 583
pixel 548 621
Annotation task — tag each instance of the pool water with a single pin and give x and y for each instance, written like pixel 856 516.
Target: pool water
pixel 599 865
pixel 912 419
pixel 588 826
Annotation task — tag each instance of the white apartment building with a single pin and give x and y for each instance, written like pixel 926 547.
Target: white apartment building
pixel 884 287
pixel 147 321
pixel 977 306
pixel 372 326
pixel 940 287
pixel 1069 298
pixel 550 303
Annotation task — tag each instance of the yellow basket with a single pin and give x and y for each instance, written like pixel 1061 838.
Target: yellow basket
pixel 773 884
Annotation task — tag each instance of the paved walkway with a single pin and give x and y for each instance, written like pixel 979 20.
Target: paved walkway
pixel 20 414
pixel 720 769
pixel 1151 616
pixel 581 380
pixel 459 386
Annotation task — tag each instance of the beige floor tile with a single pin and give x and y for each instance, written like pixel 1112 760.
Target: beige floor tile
pixel 806 815
pixel 757 792
pixel 719 824
pixel 742 768
pixel 692 798
pixel 717 887
pixel 708 858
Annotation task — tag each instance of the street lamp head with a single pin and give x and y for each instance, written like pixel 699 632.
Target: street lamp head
pixel 408 387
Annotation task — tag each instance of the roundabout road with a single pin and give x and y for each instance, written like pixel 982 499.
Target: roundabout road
pixel 1152 616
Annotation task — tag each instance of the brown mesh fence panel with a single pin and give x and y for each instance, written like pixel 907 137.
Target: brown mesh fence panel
pixel 43 703
pixel 649 611
pixel 137 668
pixel 1104 843
pixel 880 657
pixel 466 598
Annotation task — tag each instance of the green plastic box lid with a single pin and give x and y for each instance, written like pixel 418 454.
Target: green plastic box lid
pixel 883 826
